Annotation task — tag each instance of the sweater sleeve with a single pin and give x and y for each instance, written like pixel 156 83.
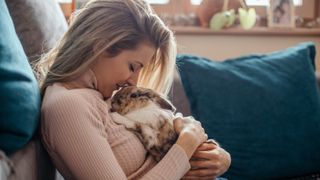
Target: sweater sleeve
pixel 173 166
pixel 78 137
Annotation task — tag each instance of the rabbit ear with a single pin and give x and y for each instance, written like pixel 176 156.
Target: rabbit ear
pixel 165 104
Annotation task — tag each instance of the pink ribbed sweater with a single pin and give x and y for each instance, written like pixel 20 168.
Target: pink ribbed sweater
pixel 84 142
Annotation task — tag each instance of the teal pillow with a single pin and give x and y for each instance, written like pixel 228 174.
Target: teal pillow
pixel 263 109
pixel 19 92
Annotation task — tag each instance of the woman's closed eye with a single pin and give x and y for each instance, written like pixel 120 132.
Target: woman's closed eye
pixel 134 67
pixel 131 67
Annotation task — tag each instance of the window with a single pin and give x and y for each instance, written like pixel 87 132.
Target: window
pixel 158 1
pixel 253 2
pixel 266 2
pixel 196 2
pixel 150 1
pixel 64 1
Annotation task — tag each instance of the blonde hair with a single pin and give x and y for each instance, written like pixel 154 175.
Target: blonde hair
pixel 111 26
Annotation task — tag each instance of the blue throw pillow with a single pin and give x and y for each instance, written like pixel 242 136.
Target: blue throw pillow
pixel 263 109
pixel 19 92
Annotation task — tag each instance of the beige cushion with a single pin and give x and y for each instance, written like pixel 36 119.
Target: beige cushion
pixel 38 23
pixel 178 96
pixel 32 162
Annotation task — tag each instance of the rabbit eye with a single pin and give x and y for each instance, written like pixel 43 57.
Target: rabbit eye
pixel 134 95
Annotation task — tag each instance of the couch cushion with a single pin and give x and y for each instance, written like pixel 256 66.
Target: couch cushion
pixel 32 162
pixel 178 97
pixel 39 24
pixel 19 92
pixel 263 109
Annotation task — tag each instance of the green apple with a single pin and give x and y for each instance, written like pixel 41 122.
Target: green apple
pixel 218 21
pixel 222 19
pixel 247 18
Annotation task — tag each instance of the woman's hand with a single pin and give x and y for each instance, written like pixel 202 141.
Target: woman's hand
pixel 208 162
pixel 191 134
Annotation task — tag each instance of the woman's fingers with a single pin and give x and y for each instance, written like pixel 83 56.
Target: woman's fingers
pixel 214 154
pixel 208 161
pixel 206 146
pixel 198 164
pixel 201 173
pixel 198 178
pixel 178 124
pixel 216 160
pixel 190 127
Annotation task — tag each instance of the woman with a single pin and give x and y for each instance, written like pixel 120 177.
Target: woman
pixel 111 43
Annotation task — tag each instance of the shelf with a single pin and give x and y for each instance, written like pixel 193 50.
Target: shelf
pixel 188 30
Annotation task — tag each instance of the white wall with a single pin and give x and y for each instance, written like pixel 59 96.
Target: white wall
pixel 220 47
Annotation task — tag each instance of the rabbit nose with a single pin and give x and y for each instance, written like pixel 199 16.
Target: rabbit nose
pixel 123 84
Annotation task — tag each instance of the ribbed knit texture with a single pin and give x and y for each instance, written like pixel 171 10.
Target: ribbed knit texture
pixel 84 142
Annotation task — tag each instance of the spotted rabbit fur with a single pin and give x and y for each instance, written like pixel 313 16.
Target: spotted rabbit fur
pixel 148 115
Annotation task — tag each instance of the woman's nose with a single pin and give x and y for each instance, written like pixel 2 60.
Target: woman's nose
pixel 131 82
pixel 133 79
pixel 128 82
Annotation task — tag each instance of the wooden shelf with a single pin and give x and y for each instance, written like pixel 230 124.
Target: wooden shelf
pixel 255 31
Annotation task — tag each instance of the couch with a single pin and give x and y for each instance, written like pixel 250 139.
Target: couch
pixel 263 108
pixel 39 24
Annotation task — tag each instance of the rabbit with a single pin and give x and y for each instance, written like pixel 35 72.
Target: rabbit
pixel 149 115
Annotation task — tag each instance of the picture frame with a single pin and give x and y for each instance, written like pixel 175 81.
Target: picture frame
pixel 281 13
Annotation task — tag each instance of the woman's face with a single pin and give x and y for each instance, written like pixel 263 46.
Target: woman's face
pixel 113 72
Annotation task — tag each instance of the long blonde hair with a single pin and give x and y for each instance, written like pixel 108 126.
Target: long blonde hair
pixel 111 26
